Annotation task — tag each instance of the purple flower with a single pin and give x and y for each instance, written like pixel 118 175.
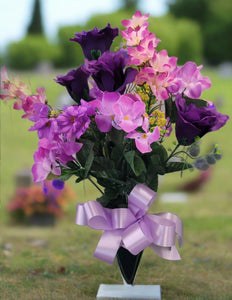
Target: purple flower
pixel 58 184
pixel 45 125
pixel 109 71
pixel 76 83
pixel 191 82
pixel 96 40
pixel 74 120
pixel 195 121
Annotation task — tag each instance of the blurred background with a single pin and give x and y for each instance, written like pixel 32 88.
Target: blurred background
pixel 53 261
pixel 34 32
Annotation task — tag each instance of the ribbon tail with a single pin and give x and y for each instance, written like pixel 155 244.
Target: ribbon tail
pixel 81 218
pixel 178 225
pixel 108 245
pixel 170 253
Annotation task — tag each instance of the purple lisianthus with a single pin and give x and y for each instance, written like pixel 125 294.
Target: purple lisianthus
pixel 96 40
pixel 195 121
pixel 76 83
pixel 109 71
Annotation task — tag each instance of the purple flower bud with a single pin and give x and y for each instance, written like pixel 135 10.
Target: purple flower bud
pixel 58 184
pixel 201 164
pixel 194 151
pixel 76 82
pixel 211 159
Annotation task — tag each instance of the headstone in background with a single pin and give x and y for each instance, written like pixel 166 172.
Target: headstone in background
pixel 174 197
pixel 44 68
pixel 64 99
pixel 225 70
pixel 23 178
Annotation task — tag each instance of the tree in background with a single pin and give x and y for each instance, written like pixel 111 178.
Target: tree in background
pixel 36 26
pixel 215 20
pixel 197 10
pixel 130 5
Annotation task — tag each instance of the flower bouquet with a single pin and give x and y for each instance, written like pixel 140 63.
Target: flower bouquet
pixel 39 205
pixel 125 105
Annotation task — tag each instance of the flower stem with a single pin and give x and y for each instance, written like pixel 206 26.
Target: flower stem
pixel 173 152
pixel 95 185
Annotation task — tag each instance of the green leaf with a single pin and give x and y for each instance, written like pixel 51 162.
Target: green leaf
pixel 196 102
pixel 113 199
pixel 159 149
pixel 88 163
pixel 85 156
pixel 135 162
pixel 157 165
pixel 65 177
pixel 171 110
pixel 95 54
pixel 177 166
pixel 152 181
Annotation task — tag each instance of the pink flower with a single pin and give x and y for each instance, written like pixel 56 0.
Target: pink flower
pixel 129 111
pixel 144 51
pixel 159 82
pixel 137 20
pixel 45 160
pixel 192 83
pixel 161 62
pixel 21 92
pixel 15 89
pixel 47 155
pixel 144 140
pixel 134 37
pixel 28 102
pixel 105 114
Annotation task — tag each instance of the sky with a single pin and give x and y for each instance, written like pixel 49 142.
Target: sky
pixel 15 15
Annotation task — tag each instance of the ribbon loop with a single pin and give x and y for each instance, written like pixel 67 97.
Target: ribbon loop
pixel 132 227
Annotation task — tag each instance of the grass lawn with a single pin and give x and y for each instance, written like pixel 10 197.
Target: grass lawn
pixel 58 263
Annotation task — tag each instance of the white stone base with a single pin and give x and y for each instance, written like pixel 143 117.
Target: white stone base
pixel 126 291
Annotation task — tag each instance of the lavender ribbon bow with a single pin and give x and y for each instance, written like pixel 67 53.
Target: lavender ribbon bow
pixel 132 228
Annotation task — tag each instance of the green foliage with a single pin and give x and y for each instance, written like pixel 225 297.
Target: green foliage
pixel 177 166
pixel 218 45
pixel 191 9
pixel 36 26
pixel 215 22
pixel 181 38
pixel 72 55
pixel 130 5
pixel 1 59
pixel 27 53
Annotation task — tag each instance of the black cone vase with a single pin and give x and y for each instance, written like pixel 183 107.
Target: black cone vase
pixel 128 264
